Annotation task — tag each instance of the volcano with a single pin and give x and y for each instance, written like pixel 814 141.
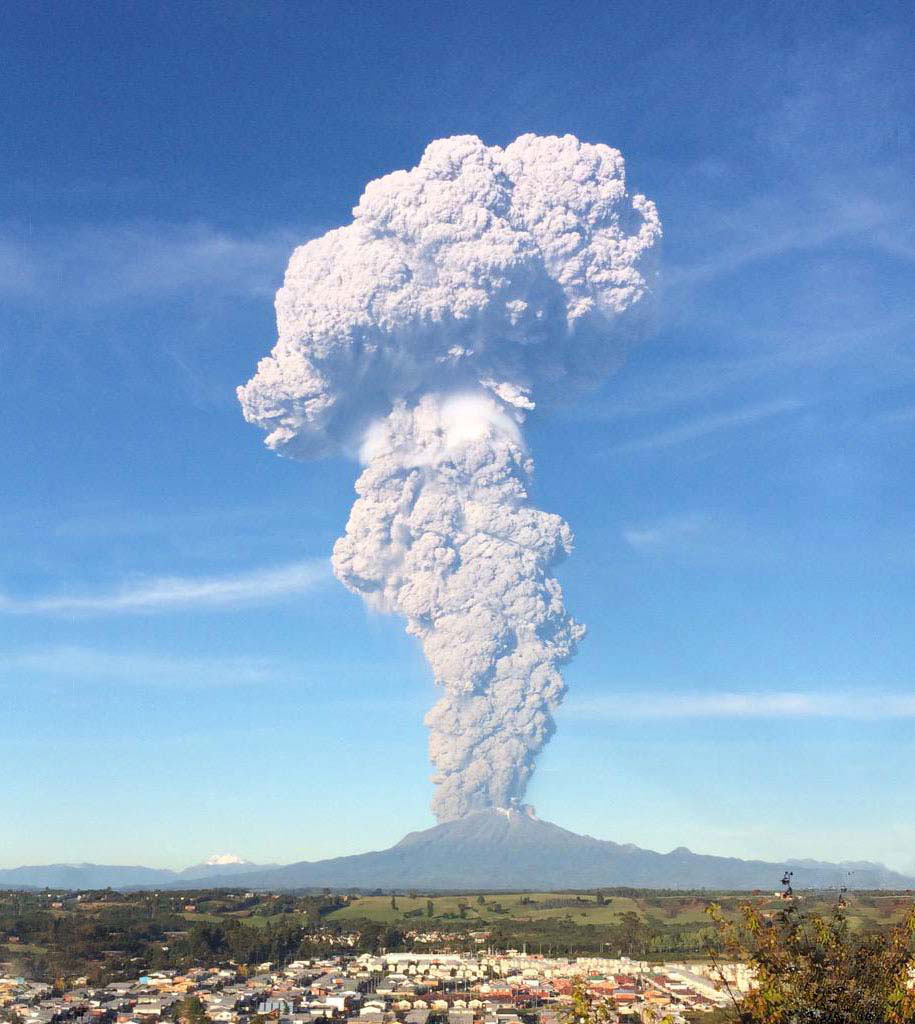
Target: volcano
pixel 501 848
pixel 513 849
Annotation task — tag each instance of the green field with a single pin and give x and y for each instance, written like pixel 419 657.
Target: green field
pixel 585 910
pixel 378 908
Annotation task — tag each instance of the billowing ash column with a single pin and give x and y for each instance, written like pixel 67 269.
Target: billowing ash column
pixel 416 337
pixel 443 534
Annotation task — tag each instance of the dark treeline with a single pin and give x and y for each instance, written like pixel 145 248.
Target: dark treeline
pixel 107 936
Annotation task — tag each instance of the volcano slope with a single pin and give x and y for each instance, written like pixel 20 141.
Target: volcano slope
pixel 513 849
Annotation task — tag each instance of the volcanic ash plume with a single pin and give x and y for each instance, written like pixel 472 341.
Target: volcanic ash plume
pixel 417 337
pixel 443 533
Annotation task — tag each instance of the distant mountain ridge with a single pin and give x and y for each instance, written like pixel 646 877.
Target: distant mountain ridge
pixel 105 876
pixel 84 876
pixel 494 849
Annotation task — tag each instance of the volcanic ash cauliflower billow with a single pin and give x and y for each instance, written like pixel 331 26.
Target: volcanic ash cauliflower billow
pixel 418 337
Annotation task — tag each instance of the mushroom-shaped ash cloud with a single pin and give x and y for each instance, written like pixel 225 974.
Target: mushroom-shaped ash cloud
pixel 417 338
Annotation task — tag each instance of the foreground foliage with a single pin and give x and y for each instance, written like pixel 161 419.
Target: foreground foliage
pixel 588 1009
pixel 813 968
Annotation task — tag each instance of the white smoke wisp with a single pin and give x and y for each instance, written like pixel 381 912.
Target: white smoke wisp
pixel 417 338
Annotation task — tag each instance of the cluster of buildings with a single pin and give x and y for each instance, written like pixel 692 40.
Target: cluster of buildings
pixel 393 988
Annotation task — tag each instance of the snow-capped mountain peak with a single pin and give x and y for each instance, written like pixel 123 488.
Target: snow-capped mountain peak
pixel 222 859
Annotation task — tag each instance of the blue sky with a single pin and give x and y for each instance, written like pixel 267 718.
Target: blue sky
pixel 178 672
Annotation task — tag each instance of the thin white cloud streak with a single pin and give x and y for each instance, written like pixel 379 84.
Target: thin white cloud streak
pixel 769 227
pixel 129 263
pixel 74 663
pixel 87 664
pixel 855 706
pixel 105 520
pixel 669 386
pixel 707 425
pixel 673 532
pixel 181 592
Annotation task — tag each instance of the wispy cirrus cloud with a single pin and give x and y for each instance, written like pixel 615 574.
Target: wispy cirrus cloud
pixel 82 664
pixel 858 706
pixel 703 426
pixel 669 533
pixel 170 592
pixel 773 226
pixel 97 266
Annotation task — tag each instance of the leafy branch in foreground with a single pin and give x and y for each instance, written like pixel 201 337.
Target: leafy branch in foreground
pixel 814 969
pixel 588 1009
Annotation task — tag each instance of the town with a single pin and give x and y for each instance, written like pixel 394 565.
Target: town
pixel 221 957
pixel 513 987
